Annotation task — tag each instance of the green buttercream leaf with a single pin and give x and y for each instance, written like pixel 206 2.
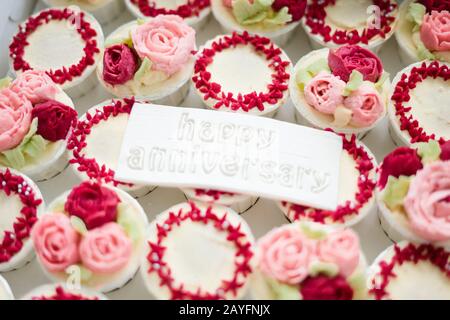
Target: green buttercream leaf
pixel 355 81
pixel 358 283
pixel 265 3
pixel 5 82
pixel 429 151
pixel 282 17
pixel 395 191
pixel 78 225
pixel 380 83
pixel 259 17
pixel 141 21
pixel 283 291
pixel 84 273
pixel 243 9
pixel 122 40
pixel 145 66
pixel 328 269
pixel 422 52
pixel 35 146
pixel 128 223
pixel 416 12
pixel 313 231
pixel 305 75
pixel 259 11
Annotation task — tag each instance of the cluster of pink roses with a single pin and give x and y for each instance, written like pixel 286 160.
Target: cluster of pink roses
pixel 104 248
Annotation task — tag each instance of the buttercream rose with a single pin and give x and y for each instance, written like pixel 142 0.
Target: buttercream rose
pixel 286 255
pixel 324 92
pixel 166 40
pixel 347 58
pixel 437 5
pixel 54 120
pixel 36 85
pixel 55 242
pixel 427 203
pixel 435 31
pixel 296 8
pixel 402 161
pixel 445 151
pixel 119 64
pixel 105 249
pixel 94 204
pixel 15 118
pixel 366 105
pixel 322 287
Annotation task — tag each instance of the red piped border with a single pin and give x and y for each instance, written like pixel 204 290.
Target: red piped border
pixel 60 76
pixel 13 240
pixel 77 141
pixel 366 189
pixel 401 97
pixel 61 294
pixel 412 254
pixel 191 9
pixel 315 19
pixel 243 254
pixel 213 90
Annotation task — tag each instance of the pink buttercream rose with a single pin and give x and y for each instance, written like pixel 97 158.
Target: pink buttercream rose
pixel 341 248
pixel 166 40
pixel 55 242
pixel 228 3
pixel 427 203
pixel 36 85
pixel 325 92
pixel 366 105
pixel 435 31
pixel 285 255
pixel 15 118
pixel 106 249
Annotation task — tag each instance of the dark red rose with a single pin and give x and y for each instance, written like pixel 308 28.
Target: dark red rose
pixel 437 5
pixel 119 64
pixel 445 151
pixel 296 7
pixel 54 119
pixel 347 58
pixel 93 203
pixel 322 287
pixel 402 161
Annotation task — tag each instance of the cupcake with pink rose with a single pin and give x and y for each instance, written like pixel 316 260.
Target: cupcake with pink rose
pixel 345 89
pixel 413 193
pixel 308 261
pixel 150 59
pixel 92 235
pixel 36 119
pixel 423 31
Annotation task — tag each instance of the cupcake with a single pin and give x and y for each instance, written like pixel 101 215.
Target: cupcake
pixel 413 193
pixel 238 202
pixel 21 205
pixel 308 261
pixel 274 19
pixel 356 197
pixel 334 23
pixel 151 59
pixel 96 141
pixel 36 119
pixel 345 89
pixel 263 70
pixel 103 10
pixel 408 271
pixel 194 12
pixel 62 42
pixel 419 106
pixel 5 290
pixel 60 291
pixel 423 31
pixel 93 235
pixel 186 236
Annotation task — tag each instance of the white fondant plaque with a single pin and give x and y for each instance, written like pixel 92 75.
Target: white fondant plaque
pixel 184 147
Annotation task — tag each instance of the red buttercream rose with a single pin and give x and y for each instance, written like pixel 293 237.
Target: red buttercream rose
pixel 352 57
pixel 296 7
pixel 94 204
pixel 54 120
pixel 445 151
pixel 402 161
pixel 119 64
pixel 437 5
pixel 322 287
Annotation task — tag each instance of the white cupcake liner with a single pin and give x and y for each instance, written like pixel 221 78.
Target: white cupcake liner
pixel 6 288
pixel 407 54
pixel 396 135
pixel 48 289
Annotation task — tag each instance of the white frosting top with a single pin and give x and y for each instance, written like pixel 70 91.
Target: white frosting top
pixel 49 290
pixel 88 5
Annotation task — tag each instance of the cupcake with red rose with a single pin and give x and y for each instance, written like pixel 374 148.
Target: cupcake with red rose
pixel 413 193
pixel 93 234
pixel 335 23
pixel 345 89
pixel 21 206
pixel 423 31
pixel 410 271
pixel 274 19
pixel 263 70
pixel 356 190
pixel 95 144
pixel 418 108
pixel 198 251
pixel 5 290
pixel 62 291
pixel 150 59
pixel 65 43
pixel 36 118
pixel 308 261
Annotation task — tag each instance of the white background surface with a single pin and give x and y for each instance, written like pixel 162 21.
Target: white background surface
pixel 262 217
